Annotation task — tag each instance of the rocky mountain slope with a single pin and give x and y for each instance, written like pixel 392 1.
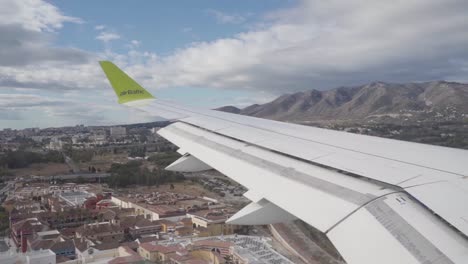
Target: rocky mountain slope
pixel 437 101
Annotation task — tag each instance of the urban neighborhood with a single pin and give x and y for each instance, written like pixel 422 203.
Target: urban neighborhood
pixel 101 195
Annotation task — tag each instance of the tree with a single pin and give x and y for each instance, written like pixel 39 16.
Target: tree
pixel 164 159
pixel 82 155
pixel 131 173
pixel 80 180
pixel 137 152
pixel 22 159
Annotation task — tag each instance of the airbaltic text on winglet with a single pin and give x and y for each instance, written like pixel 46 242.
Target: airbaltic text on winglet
pixel 131 92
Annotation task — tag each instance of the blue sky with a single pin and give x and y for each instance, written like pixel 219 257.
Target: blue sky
pixel 214 53
pixel 161 26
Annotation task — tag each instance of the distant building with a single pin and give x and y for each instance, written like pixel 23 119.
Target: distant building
pixel 206 251
pixel 88 251
pixel 55 144
pixel 211 223
pixel 152 212
pixel 243 256
pixel 118 132
pixel 102 231
pixel 221 247
pixel 24 229
pixel 140 226
pixel 99 137
pixel 28 132
pixel 127 255
pixel 33 257
pixel 75 199
pixel 52 240
pixel 159 253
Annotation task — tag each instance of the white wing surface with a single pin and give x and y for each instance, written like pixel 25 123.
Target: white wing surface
pixel 378 200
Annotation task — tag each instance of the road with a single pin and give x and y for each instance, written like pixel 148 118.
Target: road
pixel 76 176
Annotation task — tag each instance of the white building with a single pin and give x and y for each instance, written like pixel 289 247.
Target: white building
pixel 75 198
pixel 55 144
pixel 33 257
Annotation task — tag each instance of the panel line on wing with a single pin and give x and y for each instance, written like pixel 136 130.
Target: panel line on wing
pixel 357 209
pixel 289 173
pixel 308 161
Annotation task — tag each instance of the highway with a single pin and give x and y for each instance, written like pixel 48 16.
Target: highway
pixel 75 176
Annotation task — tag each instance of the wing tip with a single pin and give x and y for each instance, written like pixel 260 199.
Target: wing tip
pixel 126 89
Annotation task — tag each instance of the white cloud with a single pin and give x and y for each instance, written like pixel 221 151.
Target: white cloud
pixel 322 44
pixel 100 27
pixel 313 45
pixel 36 15
pixel 63 111
pixel 25 100
pixel 225 18
pixel 135 43
pixel 53 76
pixel 107 36
pixel 26 29
pixel 48 84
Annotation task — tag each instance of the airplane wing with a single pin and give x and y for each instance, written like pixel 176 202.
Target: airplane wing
pixel 377 200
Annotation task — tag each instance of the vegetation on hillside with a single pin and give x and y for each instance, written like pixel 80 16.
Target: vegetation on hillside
pixel 79 155
pixel 132 173
pixel 449 134
pixel 163 159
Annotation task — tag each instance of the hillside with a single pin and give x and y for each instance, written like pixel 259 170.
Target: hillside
pixel 375 102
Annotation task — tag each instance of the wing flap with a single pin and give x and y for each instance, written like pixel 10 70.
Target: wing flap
pixel 453 206
pixel 260 213
pixel 261 171
pixel 396 229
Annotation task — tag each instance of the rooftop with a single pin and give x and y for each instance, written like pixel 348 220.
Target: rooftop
pixel 152 247
pixel 75 198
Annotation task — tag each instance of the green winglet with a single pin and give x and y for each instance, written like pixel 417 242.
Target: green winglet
pixel 125 88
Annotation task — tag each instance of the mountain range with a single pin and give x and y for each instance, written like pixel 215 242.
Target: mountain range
pixel 438 101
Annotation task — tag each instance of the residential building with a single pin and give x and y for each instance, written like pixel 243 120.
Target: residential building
pixel 32 257
pixel 103 231
pixel 88 251
pixel 159 253
pixel 139 226
pixel 118 132
pixel 212 222
pixel 127 256
pixel 23 229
